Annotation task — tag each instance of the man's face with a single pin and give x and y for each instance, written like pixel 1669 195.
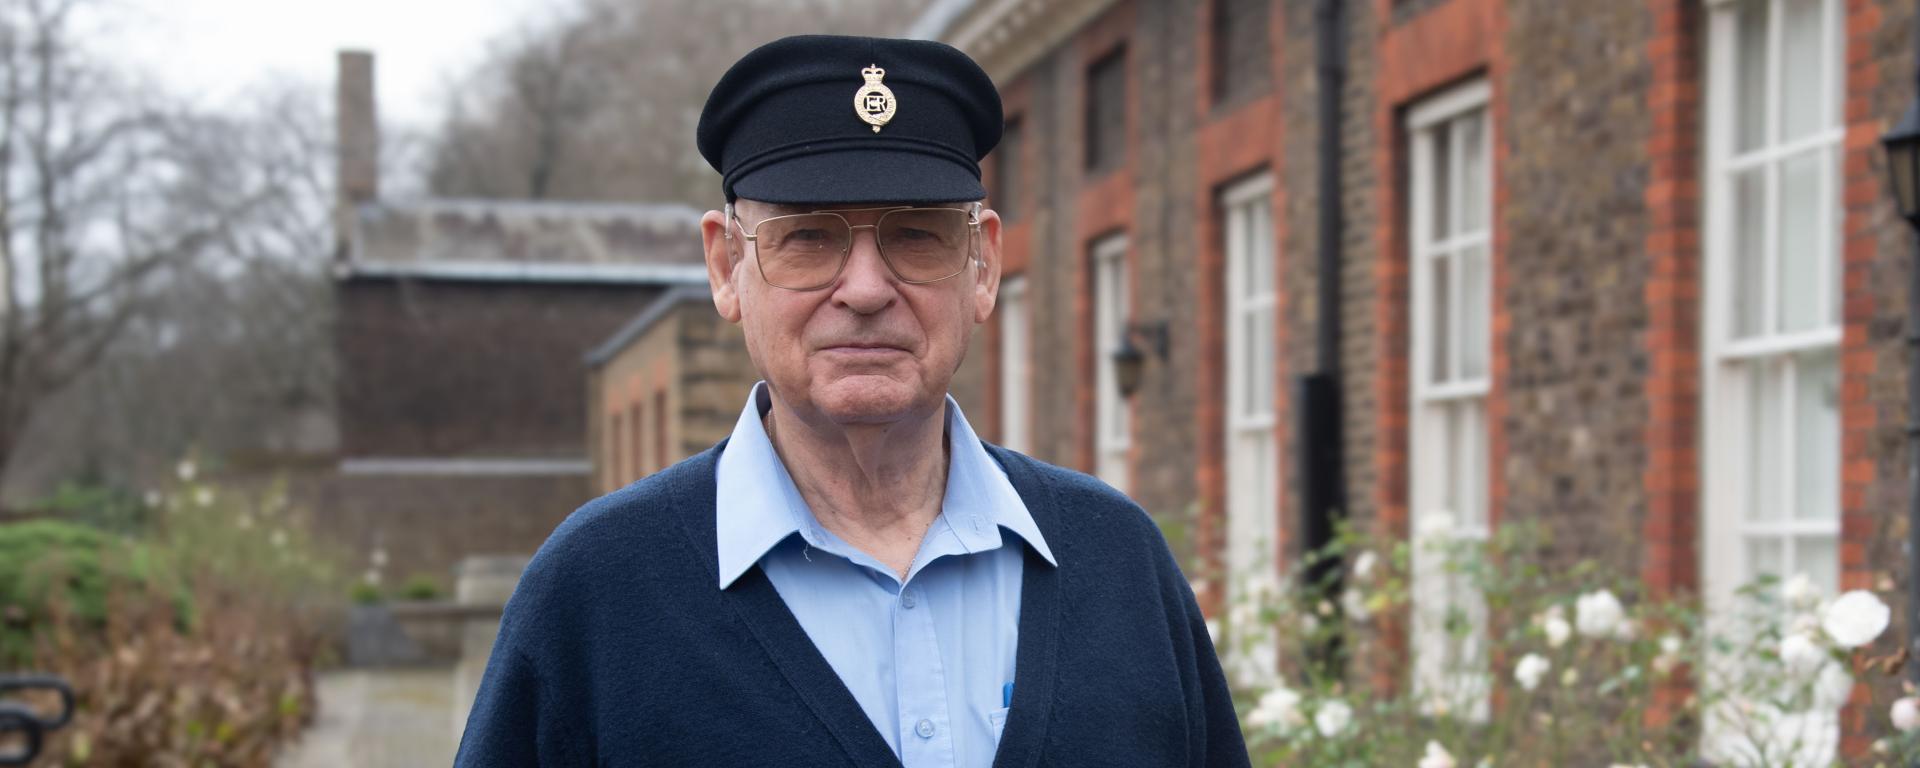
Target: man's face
pixel 865 349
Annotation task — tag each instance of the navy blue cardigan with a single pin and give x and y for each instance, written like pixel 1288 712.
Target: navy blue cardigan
pixel 618 647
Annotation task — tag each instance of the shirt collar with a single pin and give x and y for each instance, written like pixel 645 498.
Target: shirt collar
pixel 757 505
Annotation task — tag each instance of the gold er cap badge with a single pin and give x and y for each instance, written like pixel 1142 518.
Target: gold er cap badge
pixel 874 101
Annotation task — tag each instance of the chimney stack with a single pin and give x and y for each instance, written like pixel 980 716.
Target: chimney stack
pixel 358 133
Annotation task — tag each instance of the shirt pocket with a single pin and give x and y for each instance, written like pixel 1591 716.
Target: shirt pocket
pixel 998 720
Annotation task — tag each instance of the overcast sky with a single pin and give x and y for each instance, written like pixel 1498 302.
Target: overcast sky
pixel 212 50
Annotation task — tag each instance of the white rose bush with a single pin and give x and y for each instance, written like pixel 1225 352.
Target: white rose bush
pixel 1551 666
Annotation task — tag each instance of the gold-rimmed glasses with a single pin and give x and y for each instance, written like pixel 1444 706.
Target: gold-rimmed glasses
pixel 807 251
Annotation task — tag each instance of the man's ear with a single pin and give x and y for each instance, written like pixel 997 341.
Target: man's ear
pixel 986 285
pixel 720 247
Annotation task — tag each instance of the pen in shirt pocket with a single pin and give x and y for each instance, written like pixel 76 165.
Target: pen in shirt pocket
pixel 1006 695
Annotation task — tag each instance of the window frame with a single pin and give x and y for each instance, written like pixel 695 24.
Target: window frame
pixel 1112 308
pixel 1250 428
pixel 1455 672
pixel 1016 395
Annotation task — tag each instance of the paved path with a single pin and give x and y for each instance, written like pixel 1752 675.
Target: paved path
pixel 379 718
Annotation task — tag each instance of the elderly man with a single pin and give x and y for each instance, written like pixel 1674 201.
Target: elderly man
pixel 853 577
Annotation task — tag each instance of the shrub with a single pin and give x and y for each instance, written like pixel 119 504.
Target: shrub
pixel 1537 665
pixel 420 587
pixel 41 560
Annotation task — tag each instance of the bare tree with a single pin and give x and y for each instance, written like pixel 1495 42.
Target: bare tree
pixel 603 104
pixel 102 194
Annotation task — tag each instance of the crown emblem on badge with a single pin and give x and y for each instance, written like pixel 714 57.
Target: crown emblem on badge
pixel 874 102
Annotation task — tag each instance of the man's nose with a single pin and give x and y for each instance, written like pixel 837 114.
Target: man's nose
pixel 866 285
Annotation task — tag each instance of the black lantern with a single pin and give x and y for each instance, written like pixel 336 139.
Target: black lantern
pixel 1130 361
pixel 1903 163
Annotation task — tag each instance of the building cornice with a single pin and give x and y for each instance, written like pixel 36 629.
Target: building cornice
pixel 1006 36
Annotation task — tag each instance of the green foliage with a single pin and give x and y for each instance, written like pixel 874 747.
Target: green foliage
pixel 47 561
pixel 365 593
pixel 1517 662
pixel 420 587
pixel 108 508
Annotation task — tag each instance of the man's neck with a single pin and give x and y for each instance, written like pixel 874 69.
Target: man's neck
pixel 878 487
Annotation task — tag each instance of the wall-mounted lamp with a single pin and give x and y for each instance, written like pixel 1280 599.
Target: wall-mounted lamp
pixel 1130 360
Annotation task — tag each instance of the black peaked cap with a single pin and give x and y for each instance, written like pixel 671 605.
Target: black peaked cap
pixel 782 126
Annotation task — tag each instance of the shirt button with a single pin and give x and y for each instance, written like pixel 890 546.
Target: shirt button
pixel 906 599
pixel 924 728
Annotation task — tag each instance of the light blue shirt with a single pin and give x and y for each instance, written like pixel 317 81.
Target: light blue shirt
pixel 927 658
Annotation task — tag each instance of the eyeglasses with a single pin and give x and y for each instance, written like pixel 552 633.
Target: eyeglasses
pixel 806 251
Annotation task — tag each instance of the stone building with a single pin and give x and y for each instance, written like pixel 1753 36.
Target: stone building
pixel 460 335
pixel 667 385
pixel 1626 268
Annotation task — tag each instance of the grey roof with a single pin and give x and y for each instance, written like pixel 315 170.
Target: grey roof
pixel 529 272
pixel 648 316
pixel 523 240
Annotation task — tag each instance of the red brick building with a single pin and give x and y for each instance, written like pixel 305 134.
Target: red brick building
pixel 462 328
pixel 1627 268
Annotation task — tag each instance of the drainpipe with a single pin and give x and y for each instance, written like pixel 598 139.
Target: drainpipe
pixel 1321 451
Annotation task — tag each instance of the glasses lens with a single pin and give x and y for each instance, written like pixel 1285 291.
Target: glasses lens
pixel 802 251
pixel 925 244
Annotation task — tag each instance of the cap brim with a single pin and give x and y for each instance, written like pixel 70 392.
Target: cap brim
pixel 861 176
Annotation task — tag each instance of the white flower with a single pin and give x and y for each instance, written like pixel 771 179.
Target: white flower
pixel 1906 713
pixel 1799 591
pixel 1324 608
pixel 1363 565
pixel 1434 524
pixel 372 576
pixel 1436 757
pixel 1355 604
pixel 186 471
pixel 1670 647
pixel 1570 677
pixel 1598 614
pixel 153 498
pixel 279 538
pixel 1800 655
pixel 1278 708
pixel 1855 619
pixel 1831 689
pixel 1528 672
pixel 1553 622
pixel 1213 630
pixel 1333 718
pixel 203 497
pixel 378 558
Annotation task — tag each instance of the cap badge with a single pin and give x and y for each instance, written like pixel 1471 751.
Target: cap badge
pixel 874 101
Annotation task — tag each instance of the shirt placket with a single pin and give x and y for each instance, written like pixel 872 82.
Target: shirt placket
pixel 926 732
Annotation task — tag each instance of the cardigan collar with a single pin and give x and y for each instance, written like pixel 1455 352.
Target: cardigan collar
pixel 758 605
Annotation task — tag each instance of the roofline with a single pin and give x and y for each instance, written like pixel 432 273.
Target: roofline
pixel 934 22
pixel 527 272
pixel 647 318
pixel 652 212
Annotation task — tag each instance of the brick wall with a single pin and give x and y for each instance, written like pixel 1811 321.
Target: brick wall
pixel 439 369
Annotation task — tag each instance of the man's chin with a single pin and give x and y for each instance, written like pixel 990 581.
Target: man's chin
pixel 867 399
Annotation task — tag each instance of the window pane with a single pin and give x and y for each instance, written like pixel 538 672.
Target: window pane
pixel 1818 557
pixel 1471 441
pixel 1801 243
pixel 1438 328
pixel 1473 172
pixel 1764 444
pixel 1803 75
pixel 1474 304
pixel 1260 359
pixel 1765 557
pixel 1749 252
pixel 1442 183
pixel 1750 76
pixel 1816 438
pixel 1260 239
pixel 1013 365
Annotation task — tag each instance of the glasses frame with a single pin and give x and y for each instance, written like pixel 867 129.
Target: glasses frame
pixel 752 236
